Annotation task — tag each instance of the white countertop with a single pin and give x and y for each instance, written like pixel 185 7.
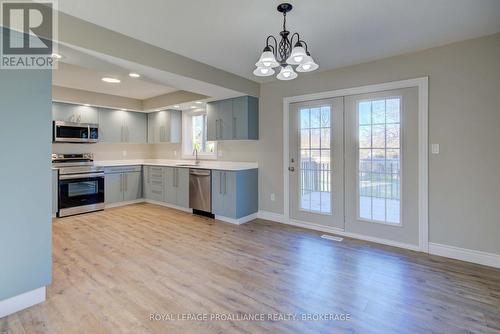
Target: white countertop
pixel 203 164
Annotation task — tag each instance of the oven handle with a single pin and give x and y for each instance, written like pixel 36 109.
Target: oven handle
pixel 80 176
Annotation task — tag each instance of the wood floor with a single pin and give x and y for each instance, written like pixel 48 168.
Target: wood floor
pixel 114 269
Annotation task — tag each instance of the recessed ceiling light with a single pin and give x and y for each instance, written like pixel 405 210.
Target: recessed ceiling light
pixel 87 105
pixel 198 102
pixel 110 80
pixel 177 106
pixel 200 109
pixel 56 56
pixel 123 109
pixel 134 75
pixel 193 107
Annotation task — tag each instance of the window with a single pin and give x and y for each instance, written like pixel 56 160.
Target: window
pixel 315 156
pixel 195 136
pixel 379 153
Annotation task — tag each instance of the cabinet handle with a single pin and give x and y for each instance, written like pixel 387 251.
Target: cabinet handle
pixel 128 134
pixel 121 183
pixel 125 177
pixel 221 127
pixel 225 183
pixel 234 127
pixel 216 129
pixel 121 133
pixel 220 182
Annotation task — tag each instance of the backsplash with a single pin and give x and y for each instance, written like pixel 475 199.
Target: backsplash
pixel 103 151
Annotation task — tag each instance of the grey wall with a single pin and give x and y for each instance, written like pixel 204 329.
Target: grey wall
pixel 25 201
pixel 464 118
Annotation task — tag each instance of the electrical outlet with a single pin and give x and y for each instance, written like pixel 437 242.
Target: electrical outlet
pixel 273 197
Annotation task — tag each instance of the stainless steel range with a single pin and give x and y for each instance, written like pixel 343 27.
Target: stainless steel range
pixel 81 184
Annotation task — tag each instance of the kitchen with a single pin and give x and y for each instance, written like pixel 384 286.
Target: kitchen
pixel 272 167
pixel 106 157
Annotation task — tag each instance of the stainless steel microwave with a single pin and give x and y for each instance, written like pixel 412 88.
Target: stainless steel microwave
pixel 66 132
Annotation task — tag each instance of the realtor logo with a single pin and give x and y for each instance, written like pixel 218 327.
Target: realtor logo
pixel 27 35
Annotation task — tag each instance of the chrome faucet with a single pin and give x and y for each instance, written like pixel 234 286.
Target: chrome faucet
pixel 195 153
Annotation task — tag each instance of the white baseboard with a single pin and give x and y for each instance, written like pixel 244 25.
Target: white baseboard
pixel 118 204
pixel 22 301
pixel 334 230
pixel 464 254
pixel 171 206
pixel 238 221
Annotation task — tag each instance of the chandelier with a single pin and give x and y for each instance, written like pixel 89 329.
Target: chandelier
pixel 283 54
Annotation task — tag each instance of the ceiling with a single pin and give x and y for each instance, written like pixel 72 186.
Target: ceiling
pixel 77 77
pixel 230 34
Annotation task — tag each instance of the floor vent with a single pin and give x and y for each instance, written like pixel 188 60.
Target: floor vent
pixel 331 237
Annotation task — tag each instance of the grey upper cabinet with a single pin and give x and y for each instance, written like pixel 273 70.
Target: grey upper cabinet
pixel 164 127
pixel 233 119
pixel 235 193
pixel 135 127
pixel 74 113
pixel 110 126
pixel 118 126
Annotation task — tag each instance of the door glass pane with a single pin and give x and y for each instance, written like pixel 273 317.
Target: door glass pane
pixel 379 160
pixel 315 159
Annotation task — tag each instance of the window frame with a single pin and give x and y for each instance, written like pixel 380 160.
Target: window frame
pixel 187 137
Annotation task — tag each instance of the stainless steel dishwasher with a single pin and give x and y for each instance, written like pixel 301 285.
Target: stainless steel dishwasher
pixel 200 190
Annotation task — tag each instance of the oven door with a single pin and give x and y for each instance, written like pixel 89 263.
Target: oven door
pixel 65 132
pixel 80 193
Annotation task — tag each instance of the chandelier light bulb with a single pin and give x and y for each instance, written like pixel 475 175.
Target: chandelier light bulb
pixel 308 65
pixel 287 73
pixel 267 59
pixel 297 56
pixel 263 71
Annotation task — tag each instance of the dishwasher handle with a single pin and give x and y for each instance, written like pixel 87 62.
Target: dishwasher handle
pixel 199 172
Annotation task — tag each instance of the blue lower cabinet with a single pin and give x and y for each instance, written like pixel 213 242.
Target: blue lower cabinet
pixel 234 193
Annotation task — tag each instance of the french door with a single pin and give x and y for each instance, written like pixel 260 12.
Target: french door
pixel 316 162
pixel 353 164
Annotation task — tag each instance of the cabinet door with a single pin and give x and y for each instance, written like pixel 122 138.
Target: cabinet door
pixel 162 120
pixel 175 126
pixel 135 130
pixel 240 118
pixel 212 121
pixel 224 193
pixel 111 126
pixel 170 185
pixel 133 186
pixel 226 120
pixel 183 187
pixel 153 128
pixel 113 188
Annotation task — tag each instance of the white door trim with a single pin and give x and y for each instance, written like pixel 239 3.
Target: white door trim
pixel 423 143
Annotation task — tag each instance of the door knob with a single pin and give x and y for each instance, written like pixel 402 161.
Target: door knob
pixel 291 169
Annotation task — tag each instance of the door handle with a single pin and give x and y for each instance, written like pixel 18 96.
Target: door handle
pixel 291 169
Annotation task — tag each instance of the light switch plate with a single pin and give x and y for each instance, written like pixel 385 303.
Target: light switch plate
pixel 435 148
